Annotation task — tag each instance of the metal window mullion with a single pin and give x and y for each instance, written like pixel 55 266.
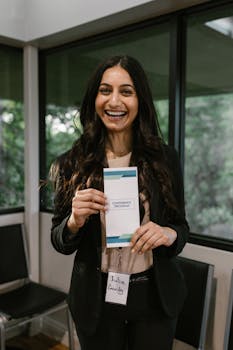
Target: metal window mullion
pixel 177 68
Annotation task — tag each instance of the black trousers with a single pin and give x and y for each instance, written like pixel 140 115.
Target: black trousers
pixel 141 324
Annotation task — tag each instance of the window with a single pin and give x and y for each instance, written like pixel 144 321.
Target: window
pixel 11 129
pixel 203 123
pixel 68 69
pixel 209 124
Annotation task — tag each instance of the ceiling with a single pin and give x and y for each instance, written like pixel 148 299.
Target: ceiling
pixel 209 58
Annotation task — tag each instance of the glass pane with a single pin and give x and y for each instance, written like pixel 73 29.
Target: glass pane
pixel 209 124
pixel 68 69
pixel 11 129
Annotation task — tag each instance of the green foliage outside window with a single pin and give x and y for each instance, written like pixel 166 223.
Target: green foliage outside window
pixel 63 127
pixel 209 164
pixel 11 154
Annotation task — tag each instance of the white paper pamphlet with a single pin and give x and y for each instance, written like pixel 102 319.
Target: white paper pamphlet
pixel 122 217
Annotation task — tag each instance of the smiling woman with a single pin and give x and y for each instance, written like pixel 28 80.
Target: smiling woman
pixel 120 129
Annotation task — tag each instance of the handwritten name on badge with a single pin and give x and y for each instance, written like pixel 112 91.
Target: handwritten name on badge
pixel 117 288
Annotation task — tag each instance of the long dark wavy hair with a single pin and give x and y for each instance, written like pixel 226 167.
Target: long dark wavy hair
pixel 82 166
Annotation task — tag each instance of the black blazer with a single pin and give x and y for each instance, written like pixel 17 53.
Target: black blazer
pixel 85 294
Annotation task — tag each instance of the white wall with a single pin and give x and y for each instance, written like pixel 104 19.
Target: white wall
pixel 27 20
pixel 32 20
pixel 223 265
pixel 48 17
pixel 31 154
pixel 12 19
pixel 11 219
pixel 55 268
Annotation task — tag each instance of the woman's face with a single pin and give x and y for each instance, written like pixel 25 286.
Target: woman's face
pixel 116 102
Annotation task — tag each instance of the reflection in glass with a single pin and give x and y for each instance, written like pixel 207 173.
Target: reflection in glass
pixel 209 125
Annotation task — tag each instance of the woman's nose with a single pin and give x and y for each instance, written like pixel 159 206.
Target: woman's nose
pixel 114 99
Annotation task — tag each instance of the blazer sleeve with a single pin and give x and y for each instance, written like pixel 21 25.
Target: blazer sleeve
pixel 62 239
pixel 177 221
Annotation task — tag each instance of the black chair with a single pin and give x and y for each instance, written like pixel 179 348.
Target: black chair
pixel 228 339
pixel 24 301
pixel 193 319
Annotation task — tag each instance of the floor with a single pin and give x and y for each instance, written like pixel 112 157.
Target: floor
pixel 37 342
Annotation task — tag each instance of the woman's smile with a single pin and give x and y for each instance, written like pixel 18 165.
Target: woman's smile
pixel 115 114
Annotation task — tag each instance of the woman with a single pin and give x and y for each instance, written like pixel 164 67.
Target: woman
pixel 120 129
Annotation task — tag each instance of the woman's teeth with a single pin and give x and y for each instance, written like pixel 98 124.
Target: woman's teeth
pixel 115 113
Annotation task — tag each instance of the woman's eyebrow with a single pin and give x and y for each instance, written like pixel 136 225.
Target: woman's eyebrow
pixel 130 85
pixel 105 84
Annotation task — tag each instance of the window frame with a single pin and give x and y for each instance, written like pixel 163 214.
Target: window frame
pixel 195 238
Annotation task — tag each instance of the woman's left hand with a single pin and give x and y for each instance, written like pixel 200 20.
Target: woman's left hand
pixel 150 236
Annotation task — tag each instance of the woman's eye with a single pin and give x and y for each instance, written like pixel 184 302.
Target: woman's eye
pixel 104 91
pixel 127 92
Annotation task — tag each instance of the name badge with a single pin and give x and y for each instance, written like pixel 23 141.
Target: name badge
pixel 117 288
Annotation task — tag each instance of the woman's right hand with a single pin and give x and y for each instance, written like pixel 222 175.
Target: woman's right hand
pixel 85 203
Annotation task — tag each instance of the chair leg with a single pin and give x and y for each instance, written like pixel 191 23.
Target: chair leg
pixel 70 330
pixel 2 336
